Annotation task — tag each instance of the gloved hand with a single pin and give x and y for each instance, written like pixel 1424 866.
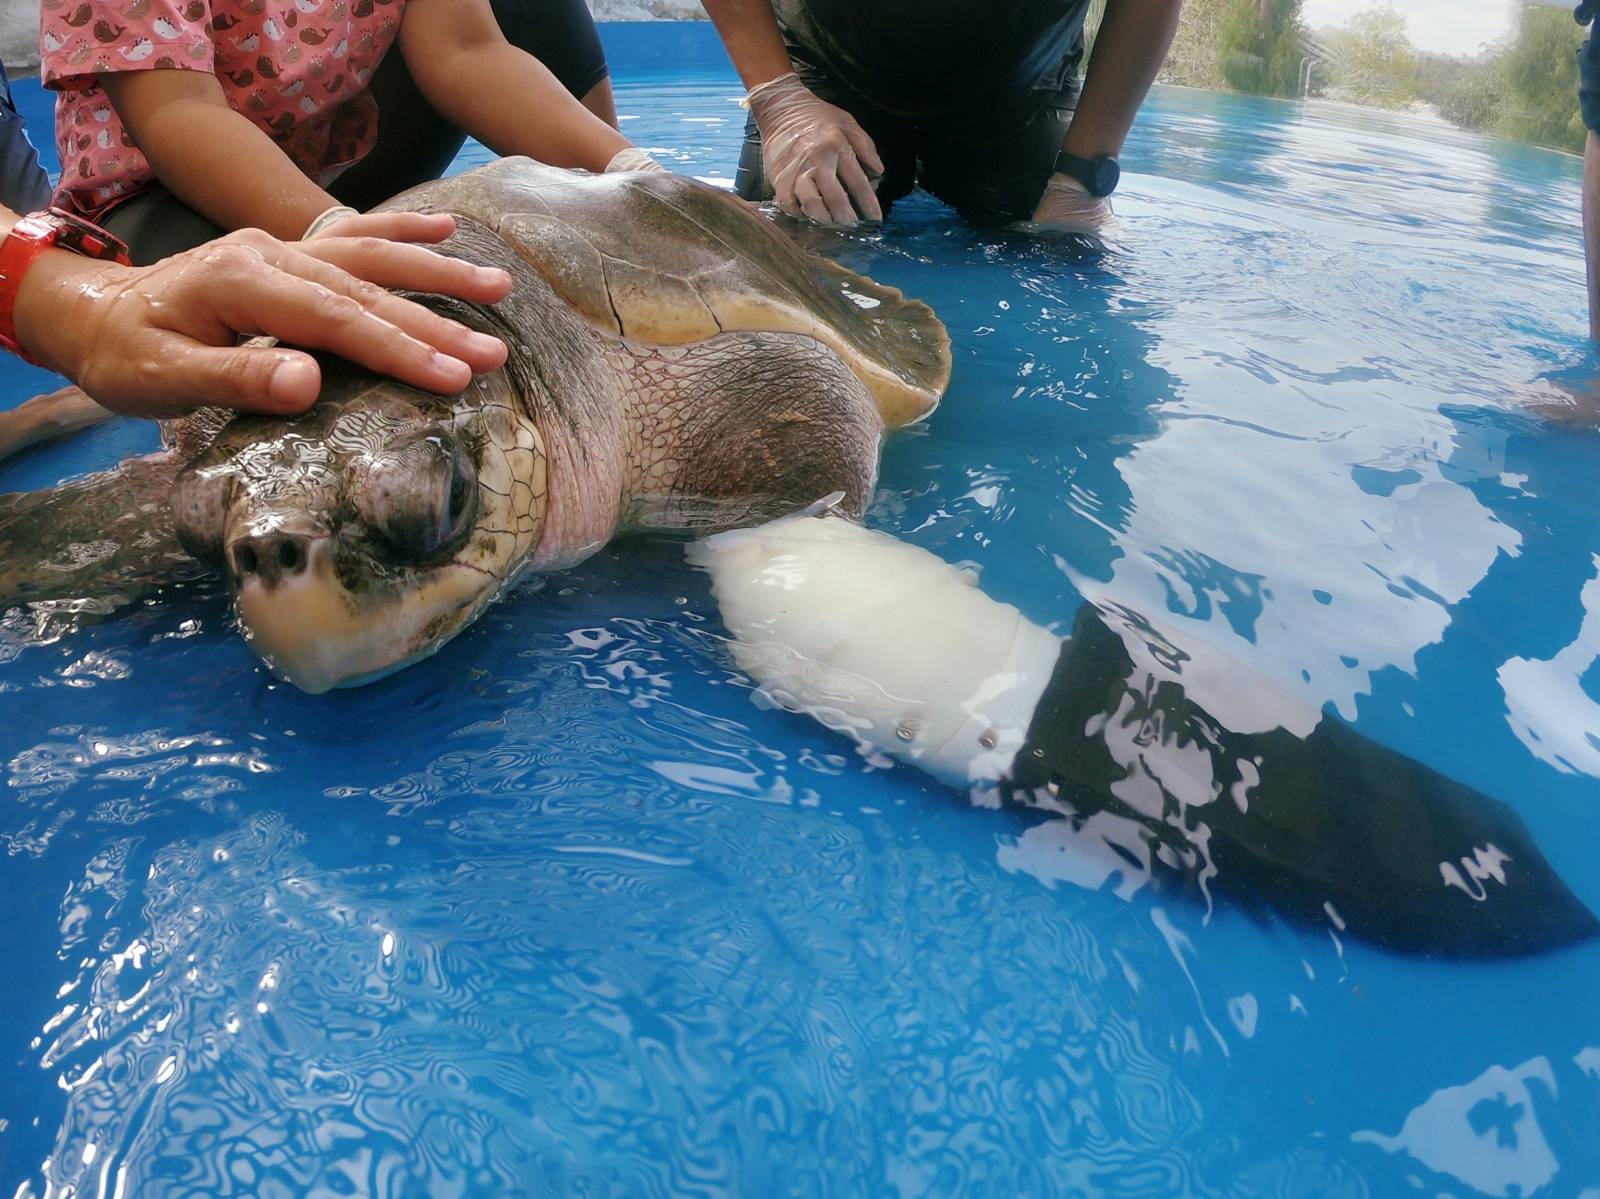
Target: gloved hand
pixel 817 158
pixel 632 159
pixel 1067 204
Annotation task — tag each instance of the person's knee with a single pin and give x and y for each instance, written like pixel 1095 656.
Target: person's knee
pixel 995 179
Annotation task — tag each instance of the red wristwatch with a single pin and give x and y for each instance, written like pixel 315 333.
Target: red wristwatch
pixel 31 237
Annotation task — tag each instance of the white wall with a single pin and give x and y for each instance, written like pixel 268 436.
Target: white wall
pixel 19 35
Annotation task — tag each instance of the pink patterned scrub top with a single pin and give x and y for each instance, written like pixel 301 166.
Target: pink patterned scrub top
pixel 298 68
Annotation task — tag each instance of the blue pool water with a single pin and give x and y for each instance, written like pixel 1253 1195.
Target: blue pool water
pixel 563 911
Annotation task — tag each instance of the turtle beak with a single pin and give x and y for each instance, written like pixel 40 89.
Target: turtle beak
pixel 312 631
pixel 292 607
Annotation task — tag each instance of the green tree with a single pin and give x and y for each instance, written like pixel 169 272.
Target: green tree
pixel 1473 98
pixel 1259 45
pixel 1540 73
pixel 1192 61
pixel 1373 61
pixel 1466 92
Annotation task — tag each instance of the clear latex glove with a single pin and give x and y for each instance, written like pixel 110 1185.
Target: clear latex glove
pixel 819 161
pixel 1067 204
pixel 327 220
pixel 632 159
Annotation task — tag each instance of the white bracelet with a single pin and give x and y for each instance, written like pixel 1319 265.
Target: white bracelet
pixel 632 159
pixel 332 217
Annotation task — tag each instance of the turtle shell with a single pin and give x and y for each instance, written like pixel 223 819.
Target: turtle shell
pixel 663 259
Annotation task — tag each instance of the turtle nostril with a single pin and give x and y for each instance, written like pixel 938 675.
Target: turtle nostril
pixel 291 556
pixel 269 557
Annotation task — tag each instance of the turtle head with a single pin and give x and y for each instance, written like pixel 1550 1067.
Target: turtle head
pixel 361 535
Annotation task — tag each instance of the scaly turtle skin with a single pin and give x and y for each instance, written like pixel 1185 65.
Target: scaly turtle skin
pixel 675 361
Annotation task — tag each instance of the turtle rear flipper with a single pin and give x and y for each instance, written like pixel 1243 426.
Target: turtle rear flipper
pixel 107 537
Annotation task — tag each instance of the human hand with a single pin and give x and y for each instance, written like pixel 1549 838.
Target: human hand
pixel 817 157
pixel 342 221
pixel 1067 205
pixel 161 340
pixel 633 159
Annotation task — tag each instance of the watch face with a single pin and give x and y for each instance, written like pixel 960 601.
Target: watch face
pixel 1103 180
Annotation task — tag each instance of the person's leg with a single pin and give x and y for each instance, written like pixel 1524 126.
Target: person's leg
pixel 1591 227
pixel 156 224
pixel 992 169
pixel 416 144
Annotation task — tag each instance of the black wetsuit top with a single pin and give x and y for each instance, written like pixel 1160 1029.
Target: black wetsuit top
pixel 919 58
pixel 969 98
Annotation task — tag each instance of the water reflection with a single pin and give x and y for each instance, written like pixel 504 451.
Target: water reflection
pixel 560 909
pixel 1547 706
pixel 1490 1134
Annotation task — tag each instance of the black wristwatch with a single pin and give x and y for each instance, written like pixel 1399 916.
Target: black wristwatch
pixel 1098 175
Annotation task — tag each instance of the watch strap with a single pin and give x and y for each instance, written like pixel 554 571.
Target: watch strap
pixel 1091 172
pixel 30 237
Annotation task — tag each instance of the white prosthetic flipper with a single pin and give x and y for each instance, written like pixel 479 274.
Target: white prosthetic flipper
pixel 882 641
pixel 888 644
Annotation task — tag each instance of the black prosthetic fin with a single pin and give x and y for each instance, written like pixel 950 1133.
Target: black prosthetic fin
pixel 1327 828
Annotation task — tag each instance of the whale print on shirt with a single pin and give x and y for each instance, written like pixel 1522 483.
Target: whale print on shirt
pixel 248 45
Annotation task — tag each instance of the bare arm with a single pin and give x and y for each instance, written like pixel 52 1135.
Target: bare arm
pixel 750 32
pixel 818 159
pixel 1133 42
pixel 504 97
pixel 213 159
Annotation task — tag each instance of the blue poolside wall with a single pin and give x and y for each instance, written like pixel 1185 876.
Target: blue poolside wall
pixel 644 47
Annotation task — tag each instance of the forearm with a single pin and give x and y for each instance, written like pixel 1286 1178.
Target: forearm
pixel 220 164
pixel 1591 227
pixel 510 101
pixel 1128 53
pixel 749 31
pixel 52 307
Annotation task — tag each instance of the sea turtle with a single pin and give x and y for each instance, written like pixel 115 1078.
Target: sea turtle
pixel 675 359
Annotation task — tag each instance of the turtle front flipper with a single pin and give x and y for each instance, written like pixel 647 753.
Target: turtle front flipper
pixel 106 538
pixel 742 428
pixel 47 417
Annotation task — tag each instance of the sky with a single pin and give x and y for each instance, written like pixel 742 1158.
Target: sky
pixel 1443 26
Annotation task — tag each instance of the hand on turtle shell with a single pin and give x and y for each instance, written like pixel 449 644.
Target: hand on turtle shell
pixel 817 157
pixel 161 340
pixel 1067 205
pixel 343 221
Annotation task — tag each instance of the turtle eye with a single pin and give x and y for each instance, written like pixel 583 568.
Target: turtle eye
pixel 418 497
pixel 200 501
